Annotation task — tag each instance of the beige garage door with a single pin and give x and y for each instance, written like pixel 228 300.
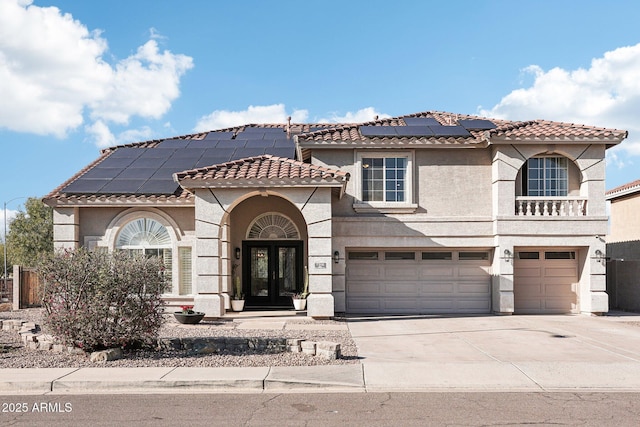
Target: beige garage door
pixel 418 282
pixel 545 282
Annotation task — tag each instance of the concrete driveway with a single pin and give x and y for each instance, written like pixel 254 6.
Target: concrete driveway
pixel 499 352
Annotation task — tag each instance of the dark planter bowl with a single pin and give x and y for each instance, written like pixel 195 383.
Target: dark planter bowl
pixel 188 319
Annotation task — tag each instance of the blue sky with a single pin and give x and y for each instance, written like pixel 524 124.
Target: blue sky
pixel 76 76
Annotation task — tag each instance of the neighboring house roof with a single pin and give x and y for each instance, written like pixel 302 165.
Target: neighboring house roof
pixel 265 170
pixel 143 172
pixel 623 190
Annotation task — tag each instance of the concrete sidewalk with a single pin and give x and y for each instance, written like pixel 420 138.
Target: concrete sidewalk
pixel 482 353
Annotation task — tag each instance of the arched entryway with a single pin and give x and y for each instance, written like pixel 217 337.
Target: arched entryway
pixel 272 261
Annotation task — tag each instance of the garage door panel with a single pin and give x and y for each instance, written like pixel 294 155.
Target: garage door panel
pixel 365 288
pixel 430 271
pixel 474 288
pixel 434 289
pixel 473 272
pixel 397 272
pixel 560 272
pixel 400 288
pixel 419 286
pixel 544 286
pixel 369 272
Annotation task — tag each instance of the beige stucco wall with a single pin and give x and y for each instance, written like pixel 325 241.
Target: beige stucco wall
pixel 442 178
pixel 625 221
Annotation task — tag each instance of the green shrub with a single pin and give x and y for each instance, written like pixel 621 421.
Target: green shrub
pixel 96 300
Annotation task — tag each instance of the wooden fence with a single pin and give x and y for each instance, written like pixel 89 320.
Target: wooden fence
pixel 30 287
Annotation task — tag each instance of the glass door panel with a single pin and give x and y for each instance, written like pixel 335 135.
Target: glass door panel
pixel 259 277
pixel 287 277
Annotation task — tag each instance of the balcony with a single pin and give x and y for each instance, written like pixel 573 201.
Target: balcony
pixel 551 206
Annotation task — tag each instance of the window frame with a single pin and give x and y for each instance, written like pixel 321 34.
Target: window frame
pixel 547 177
pixel 405 206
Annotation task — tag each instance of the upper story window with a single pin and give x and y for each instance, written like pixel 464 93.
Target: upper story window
pixel 385 183
pixel 546 176
pixel 383 179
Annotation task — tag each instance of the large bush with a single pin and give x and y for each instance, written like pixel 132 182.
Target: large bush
pixel 96 300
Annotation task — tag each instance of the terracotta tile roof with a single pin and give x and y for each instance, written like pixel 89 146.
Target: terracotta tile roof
pixel 505 130
pixel 623 190
pixel 265 168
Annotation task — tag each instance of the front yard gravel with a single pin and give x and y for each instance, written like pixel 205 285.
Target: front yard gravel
pixel 13 354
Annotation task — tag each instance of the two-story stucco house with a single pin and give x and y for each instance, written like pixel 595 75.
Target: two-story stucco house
pixel 425 213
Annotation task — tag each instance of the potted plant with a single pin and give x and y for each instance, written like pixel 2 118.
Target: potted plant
pixel 237 302
pixel 188 316
pixel 300 298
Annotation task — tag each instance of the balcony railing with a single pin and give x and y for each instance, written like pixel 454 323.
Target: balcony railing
pixel 551 206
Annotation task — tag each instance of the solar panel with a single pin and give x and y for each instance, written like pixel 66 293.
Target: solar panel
pixel 284 143
pixel 102 173
pixel 420 121
pixel 189 153
pixel 166 173
pixel 413 130
pixel 227 144
pixel 127 152
pixel 149 162
pixel 242 153
pixel 205 143
pixel 378 130
pixel 137 173
pixel 259 143
pixel 288 152
pixel 82 185
pixel 122 186
pixel 157 153
pixel 179 164
pixel 210 161
pixel 317 128
pixel 159 186
pixel 219 135
pixel 116 162
pixel 477 124
pixel 449 131
pixel 173 143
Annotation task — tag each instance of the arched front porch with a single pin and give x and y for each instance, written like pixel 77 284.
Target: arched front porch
pixel 234 204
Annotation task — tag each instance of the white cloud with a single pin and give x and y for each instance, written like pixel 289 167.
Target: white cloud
pixel 101 135
pixel 52 70
pixel 605 94
pixel 362 115
pixel 276 113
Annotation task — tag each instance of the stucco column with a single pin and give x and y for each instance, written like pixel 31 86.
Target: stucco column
pixel 317 214
pixel 66 228
pixel 502 280
pixel 598 299
pixel 208 290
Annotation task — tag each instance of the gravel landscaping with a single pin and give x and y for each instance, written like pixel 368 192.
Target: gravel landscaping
pixel 13 354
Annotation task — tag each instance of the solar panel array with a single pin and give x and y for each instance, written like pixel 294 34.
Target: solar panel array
pixel 147 171
pixel 427 126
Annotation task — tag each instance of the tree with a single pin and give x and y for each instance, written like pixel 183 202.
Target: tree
pixel 30 234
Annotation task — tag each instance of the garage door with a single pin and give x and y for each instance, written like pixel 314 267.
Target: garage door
pixel 418 282
pixel 545 282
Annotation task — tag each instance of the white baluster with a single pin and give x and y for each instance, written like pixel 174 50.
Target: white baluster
pixel 571 213
pixel 545 210
pixel 528 207
pixel 520 210
pixel 563 212
pixel 537 212
pixel 554 208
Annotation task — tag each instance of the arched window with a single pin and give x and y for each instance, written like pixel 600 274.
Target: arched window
pixel 147 236
pixel 273 226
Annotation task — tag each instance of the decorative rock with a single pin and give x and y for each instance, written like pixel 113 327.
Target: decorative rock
pixel 106 355
pixel 169 344
pixel 308 347
pixel 33 345
pixel 45 345
pixel 59 348
pixel 328 350
pixel 294 345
